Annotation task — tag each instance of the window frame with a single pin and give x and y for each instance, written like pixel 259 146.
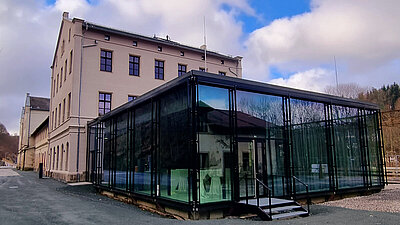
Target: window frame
pixel 158 73
pixel 180 71
pixel 106 58
pixel 132 96
pixel 104 100
pixel 133 65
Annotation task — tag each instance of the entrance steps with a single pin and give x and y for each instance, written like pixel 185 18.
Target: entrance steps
pixel 280 208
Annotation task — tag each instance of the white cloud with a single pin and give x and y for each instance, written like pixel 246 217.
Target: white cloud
pixel 314 80
pixel 29 32
pixel 363 35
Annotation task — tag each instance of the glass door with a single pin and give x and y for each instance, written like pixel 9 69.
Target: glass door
pixel 252 163
pixel 246 167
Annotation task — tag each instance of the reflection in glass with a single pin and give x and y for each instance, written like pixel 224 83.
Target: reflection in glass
pixel 310 160
pixel 214 144
pixel 348 151
pixel 121 152
pixel 142 151
pixel 173 158
pixel 260 122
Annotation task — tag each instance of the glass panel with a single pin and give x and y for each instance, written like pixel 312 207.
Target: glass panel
pixel 246 168
pixel 174 160
pixel 142 153
pixel 310 160
pixel 347 147
pixel 121 152
pixel 373 148
pixel 214 144
pixel 107 153
pixel 260 118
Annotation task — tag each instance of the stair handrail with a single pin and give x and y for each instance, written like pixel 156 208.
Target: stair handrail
pixel 257 192
pixel 269 195
pixel 294 191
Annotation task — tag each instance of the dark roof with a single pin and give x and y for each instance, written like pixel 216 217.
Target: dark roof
pixel 39 103
pixel 158 40
pixel 42 125
pixel 244 85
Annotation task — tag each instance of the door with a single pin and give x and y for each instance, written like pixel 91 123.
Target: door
pixel 252 164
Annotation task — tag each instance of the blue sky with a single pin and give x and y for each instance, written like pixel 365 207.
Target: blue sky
pixel 284 42
pixel 271 10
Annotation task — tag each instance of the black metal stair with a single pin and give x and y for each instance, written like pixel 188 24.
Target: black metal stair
pixel 279 209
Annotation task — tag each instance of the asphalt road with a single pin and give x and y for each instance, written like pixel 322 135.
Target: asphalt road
pixel 25 199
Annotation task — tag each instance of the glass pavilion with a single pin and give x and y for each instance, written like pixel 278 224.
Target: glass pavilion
pixel 192 142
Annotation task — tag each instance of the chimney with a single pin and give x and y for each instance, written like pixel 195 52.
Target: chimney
pixel 66 15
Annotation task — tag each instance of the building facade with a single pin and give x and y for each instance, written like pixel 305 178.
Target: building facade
pixel 41 145
pixel 34 113
pixel 205 144
pixel 96 69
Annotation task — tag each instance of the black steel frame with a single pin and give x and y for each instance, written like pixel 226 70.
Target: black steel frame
pixel 192 80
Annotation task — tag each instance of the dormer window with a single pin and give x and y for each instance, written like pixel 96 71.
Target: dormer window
pixel 182 53
pixel 107 37
pixel 203 57
pixel 159 48
pixel 134 43
pixel 222 62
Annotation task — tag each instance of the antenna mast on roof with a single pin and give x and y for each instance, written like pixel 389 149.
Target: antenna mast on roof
pixel 336 73
pixel 204 46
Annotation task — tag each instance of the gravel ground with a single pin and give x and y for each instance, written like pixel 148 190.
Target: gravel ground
pixel 388 200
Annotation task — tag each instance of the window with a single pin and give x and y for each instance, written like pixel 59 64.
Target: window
pixel 61 77
pixel 62 48
pixel 181 69
pixel 203 57
pixel 55 119
pixel 182 53
pixel 69 105
pixel 65 75
pixel 159 69
pixel 58 76
pixel 63 117
pixel 159 48
pixel 222 73
pixel 106 61
pixel 222 62
pixel 70 61
pixel 104 103
pixel 54 87
pixel 131 98
pixel 107 37
pixel 202 69
pixel 134 43
pixel 134 62
pixel 69 35
pixel 52 120
pixel 59 114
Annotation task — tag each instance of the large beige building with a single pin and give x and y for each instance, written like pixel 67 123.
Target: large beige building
pixel 34 113
pixel 96 69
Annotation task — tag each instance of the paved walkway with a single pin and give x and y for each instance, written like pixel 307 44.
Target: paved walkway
pixel 25 199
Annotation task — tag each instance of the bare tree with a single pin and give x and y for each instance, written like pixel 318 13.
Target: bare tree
pixel 350 90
